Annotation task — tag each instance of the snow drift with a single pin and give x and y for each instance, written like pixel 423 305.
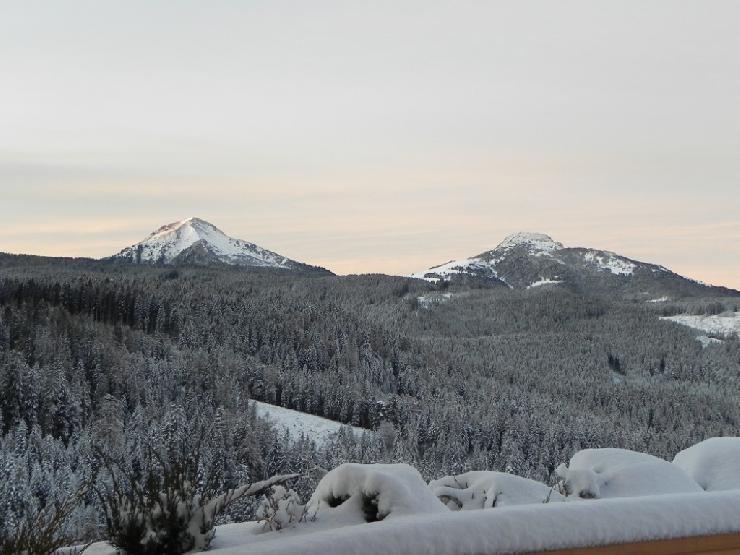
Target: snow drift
pixel 371 492
pixel 387 508
pixel 714 463
pixel 605 473
pixel 487 490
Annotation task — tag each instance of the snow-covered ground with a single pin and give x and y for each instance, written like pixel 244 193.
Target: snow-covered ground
pixel 720 324
pixel 606 496
pixel 431 299
pixel 707 341
pixel 299 423
pixel 486 489
pixel 608 473
pixel 610 261
pixel 453 267
pixel 517 529
pixel 541 282
pixel 714 463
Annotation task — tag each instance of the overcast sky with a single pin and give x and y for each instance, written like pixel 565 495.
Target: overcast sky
pixel 375 136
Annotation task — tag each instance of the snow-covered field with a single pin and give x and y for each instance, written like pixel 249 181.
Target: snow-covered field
pixel 543 281
pixel 721 324
pixel 605 496
pixel 299 423
pixel 427 301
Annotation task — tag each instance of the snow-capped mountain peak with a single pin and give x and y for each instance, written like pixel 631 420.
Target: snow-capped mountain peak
pixel 536 242
pixel 168 228
pixel 196 241
pixel 525 260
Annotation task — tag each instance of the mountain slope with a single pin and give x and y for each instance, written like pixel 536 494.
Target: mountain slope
pixel 526 260
pixel 196 242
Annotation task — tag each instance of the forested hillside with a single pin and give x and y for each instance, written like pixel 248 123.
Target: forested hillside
pixel 104 362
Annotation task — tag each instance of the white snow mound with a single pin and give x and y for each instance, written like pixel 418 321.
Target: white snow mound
pixel 353 493
pixel 486 490
pixel 606 473
pixel 714 463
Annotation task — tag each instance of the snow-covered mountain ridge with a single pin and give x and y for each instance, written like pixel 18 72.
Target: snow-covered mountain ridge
pixel 196 241
pixel 525 260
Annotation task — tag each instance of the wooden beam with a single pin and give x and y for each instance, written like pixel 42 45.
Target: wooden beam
pixel 724 544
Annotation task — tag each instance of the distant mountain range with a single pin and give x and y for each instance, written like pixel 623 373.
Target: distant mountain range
pixel 196 242
pixel 527 260
pixel 520 261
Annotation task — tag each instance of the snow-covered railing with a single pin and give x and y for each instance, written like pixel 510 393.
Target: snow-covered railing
pixel 528 528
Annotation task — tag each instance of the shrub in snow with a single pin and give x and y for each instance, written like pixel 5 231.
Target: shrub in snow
pixel 604 473
pixel 40 532
pixel 485 490
pixel 713 463
pixel 166 511
pixel 281 508
pixel 370 492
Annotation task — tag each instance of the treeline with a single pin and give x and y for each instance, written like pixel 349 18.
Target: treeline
pixel 98 360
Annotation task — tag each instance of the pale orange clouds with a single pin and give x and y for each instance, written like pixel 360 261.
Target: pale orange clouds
pixel 383 136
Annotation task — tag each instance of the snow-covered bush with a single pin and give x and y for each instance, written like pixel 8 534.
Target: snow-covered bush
pixel 166 511
pixel 370 492
pixel 485 490
pixel 281 508
pixel 40 532
pixel 604 473
pixel 713 463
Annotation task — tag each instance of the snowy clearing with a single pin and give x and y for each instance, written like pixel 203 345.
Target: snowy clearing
pixel 450 268
pixel 428 301
pixel 299 424
pixel 543 281
pixel 721 324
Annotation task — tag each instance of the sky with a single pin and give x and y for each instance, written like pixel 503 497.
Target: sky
pixel 383 136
